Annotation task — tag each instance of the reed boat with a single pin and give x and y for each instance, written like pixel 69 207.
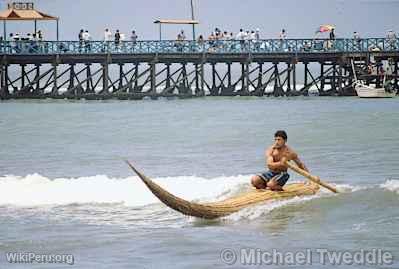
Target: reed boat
pixel 228 206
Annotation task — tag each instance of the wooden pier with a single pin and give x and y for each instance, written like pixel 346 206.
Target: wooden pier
pixel 134 70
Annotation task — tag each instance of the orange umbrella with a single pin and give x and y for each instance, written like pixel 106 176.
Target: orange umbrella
pixel 325 28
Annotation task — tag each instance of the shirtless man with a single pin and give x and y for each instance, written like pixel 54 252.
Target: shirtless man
pixel 276 155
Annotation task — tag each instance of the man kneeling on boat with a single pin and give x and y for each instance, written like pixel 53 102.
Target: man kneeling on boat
pixel 276 156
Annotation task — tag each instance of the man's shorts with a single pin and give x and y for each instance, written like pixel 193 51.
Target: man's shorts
pixel 281 177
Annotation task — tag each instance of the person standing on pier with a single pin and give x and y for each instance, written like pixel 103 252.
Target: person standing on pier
pixel 332 34
pixel 276 156
pixel 107 35
pixel 181 36
pixel 107 39
pixel 331 41
pixel 282 36
pixel 180 40
pixel 356 40
pixel 134 37
pixel 332 38
pixel 80 37
pixel 200 42
pixel 117 39
pixel 86 39
pixel 252 36
pixel 241 37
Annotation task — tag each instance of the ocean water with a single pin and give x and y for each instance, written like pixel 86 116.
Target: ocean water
pixel 65 189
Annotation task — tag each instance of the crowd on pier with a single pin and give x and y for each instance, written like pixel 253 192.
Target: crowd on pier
pixel 246 36
pixel 216 35
pixel 36 36
pixel 217 41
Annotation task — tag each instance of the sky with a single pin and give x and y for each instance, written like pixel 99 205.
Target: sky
pixel 371 18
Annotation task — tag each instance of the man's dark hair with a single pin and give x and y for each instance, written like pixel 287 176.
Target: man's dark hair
pixel 282 134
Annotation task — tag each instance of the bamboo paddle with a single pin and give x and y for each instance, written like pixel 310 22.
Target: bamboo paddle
pixel 310 177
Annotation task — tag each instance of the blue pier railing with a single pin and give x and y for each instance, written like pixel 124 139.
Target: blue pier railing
pixel 266 46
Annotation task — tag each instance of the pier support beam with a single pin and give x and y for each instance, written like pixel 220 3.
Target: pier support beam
pixel 246 80
pixel 120 84
pixel 23 75
pixel 277 89
pixel 71 77
pixel 6 84
pixel 288 92
pixel 197 90
pixel 396 71
pixel 323 79
pixel 294 77
pixel 4 91
pixel 202 80
pixel 340 89
pixel 305 81
pixel 184 86
pixel 226 90
pixel 214 91
pixel 105 78
pixel 167 82
pixel 152 78
pixel 229 77
pixel 1 77
pixel 37 90
pixel 136 87
pixel 54 90
pixel 259 87
pixel 89 81
pixel 244 91
pixel 334 79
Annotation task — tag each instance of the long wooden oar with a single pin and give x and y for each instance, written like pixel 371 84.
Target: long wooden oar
pixel 311 177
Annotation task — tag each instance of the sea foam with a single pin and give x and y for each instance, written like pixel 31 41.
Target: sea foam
pixel 36 190
pixel 391 185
